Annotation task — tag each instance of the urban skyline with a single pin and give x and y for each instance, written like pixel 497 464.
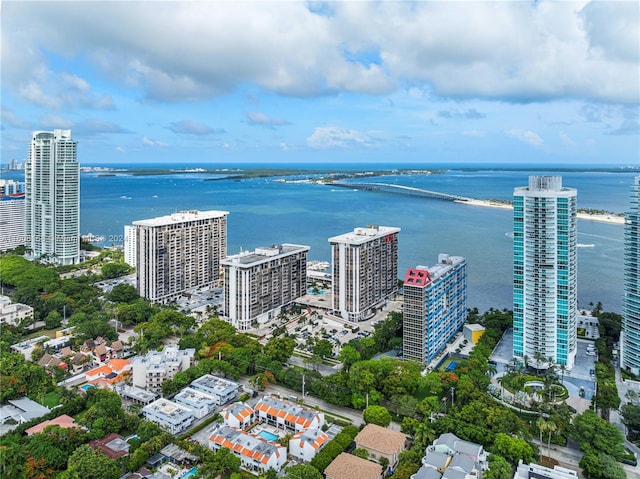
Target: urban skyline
pixel 292 82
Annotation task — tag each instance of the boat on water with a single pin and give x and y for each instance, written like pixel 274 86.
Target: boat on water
pixel 91 238
pixel 124 197
pixel 582 245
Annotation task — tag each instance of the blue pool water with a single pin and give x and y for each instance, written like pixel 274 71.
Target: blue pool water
pixel 268 436
pixel 452 365
pixel 86 387
pixel 311 291
pixel 190 473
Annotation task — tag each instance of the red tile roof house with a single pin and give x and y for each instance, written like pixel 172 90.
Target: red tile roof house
pixel 112 445
pixel 381 442
pixel 63 421
pixel 347 466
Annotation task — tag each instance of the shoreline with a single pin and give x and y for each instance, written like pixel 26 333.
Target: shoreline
pixel 601 218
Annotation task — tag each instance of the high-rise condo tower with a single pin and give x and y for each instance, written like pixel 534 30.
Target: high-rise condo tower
pixel 52 196
pixel 545 271
pixel 365 270
pixel 630 337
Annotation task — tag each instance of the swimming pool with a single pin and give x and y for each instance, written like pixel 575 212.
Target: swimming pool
pixel 190 473
pixel 268 436
pixel 86 387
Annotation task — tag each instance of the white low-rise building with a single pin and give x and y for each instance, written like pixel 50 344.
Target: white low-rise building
pixel 256 454
pixel 26 347
pixel 13 313
pixel 223 390
pixel 238 415
pixel 287 415
pixel 170 416
pixel 306 444
pixel 150 371
pixel 528 471
pixel 199 402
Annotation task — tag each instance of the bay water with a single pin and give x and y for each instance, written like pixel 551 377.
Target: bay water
pixel 265 211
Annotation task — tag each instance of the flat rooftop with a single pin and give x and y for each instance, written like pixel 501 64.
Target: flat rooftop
pixel 181 217
pixel 264 254
pixel 364 235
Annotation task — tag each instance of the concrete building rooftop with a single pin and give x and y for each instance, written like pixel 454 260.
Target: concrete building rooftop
pixel 181 217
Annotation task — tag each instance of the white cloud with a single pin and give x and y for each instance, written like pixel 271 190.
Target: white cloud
pixel 566 139
pixel 333 137
pixel 526 136
pixel 191 127
pixel 533 51
pixel 475 133
pixel 154 143
pixel 55 121
pixel 257 118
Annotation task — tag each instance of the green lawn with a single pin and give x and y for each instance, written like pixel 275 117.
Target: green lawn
pixel 51 399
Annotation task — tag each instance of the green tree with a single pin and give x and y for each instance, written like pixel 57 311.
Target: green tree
pixel 631 416
pixel 302 471
pixel 280 349
pixel 591 431
pixel 348 356
pixel 376 415
pixel 361 453
pixel 85 462
pixel 115 269
pixel 499 468
pixel 322 348
pixel 123 293
pixel 513 449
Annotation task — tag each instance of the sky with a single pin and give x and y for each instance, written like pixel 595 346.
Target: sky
pixel 514 82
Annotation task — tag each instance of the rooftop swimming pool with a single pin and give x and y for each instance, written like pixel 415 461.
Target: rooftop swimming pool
pixel 268 436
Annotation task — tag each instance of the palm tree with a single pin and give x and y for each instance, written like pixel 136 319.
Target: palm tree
pixel 551 427
pixel 423 434
pixel 563 369
pixel 501 383
pixel 541 423
pixel 539 359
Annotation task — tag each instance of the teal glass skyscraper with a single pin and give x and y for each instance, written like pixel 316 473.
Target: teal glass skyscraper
pixel 545 267
pixel 630 337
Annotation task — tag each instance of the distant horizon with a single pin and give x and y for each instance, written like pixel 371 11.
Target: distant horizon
pixel 355 164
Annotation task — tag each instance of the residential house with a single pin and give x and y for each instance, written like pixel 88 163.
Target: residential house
pixel 536 471
pixel 114 371
pixel 26 347
pixel 450 444
pixel 63 421
pixel 112 445
pixel 19 411
pixel 199 402
pixel 150 371
pixel 169 415
pixel 256 454
pixel 135 394
pixel 13 313
pixel 287 415
pixel 223 390
pixel 306 444
pixel 348 466
pixel 238 415
pixel 381 442
pixel 117 349
pixel 49 361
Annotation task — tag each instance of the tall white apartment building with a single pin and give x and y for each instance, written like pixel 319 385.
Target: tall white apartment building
pixel 365 270
pixel 434 308
pixel 630 337
pixel 52 185
pixel 12 213
pixel 178 252
pixel 130 245
pixel 545 272
pixel 258 285
pixel 150 371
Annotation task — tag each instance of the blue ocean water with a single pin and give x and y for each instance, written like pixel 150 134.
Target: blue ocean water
pixel 264 211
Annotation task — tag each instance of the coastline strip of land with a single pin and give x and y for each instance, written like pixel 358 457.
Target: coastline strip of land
pixel 600 217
